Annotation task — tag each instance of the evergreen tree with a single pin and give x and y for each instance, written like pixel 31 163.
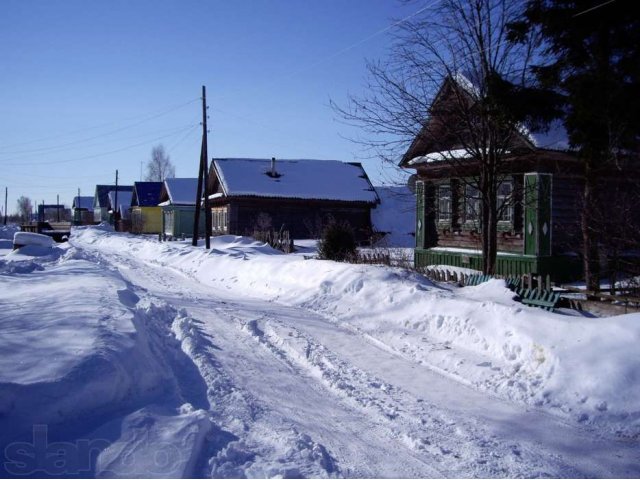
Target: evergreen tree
pixel 591 58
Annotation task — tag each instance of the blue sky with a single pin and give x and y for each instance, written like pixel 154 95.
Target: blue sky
pixel 88 87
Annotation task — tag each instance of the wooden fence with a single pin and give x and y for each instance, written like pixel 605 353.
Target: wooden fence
pixel 534 290
pixel 278 239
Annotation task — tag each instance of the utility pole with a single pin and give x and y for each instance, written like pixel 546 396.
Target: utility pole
pixel 6 195
pixel 205 171
pixel 58 207
pixel 203 178
pixel 115 207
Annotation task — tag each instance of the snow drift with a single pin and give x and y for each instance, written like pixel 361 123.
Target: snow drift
pixel 585 369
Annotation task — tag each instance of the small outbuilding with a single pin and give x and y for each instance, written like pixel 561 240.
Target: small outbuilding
pixel 178 200
pixel 82 210
pixel 120 204
pixel 299 196
pixel 146 215
pixel 101 205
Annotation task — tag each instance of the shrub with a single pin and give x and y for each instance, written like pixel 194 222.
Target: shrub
pixel 338 242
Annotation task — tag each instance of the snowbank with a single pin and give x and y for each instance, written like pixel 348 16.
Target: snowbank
pixel 8 231
pixel 92 363
pixel 27 238
pixel 583 369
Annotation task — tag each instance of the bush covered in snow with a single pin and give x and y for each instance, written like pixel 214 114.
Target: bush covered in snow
pixel 338 242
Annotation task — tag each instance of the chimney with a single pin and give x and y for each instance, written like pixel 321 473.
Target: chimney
pixel 273 166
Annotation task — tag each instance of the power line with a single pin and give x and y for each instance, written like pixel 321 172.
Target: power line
pixel 369 37
pixel 29 174
pixel 54 150
pixel 88 157
pixel 342 50
pixel 489 49
pixel 146 117
pixel 593 8
pixel 188 134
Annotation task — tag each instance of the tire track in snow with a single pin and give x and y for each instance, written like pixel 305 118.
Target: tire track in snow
pixel 201 301
pixel 458 448
pixel 239 444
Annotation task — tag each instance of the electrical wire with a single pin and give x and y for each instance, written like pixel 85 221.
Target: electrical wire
pixel 592 8
pixel 64 149
pixel 329 57
pixel 188 134
pixel 88 157
pixel 146 118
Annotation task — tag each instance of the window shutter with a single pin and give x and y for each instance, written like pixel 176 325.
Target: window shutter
pixel 420 214
pixel 537 214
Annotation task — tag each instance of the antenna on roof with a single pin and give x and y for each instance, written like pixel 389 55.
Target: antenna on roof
pixel 273 173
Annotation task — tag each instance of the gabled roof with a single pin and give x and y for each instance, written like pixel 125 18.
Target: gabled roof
pixel 146 194
pixel 124 200
pixel 299 179
pixel 555 137
pixel 179 191
pixel 82 202
pixel 101 196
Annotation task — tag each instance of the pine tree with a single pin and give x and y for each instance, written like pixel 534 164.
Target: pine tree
pixel 592 60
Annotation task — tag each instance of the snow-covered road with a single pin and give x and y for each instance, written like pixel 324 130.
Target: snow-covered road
pixel 370 410
pixel 226 381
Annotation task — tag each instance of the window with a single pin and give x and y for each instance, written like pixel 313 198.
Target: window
pixel 168 221
pixel 505 204
pixel 219 219
pixel 472 206
pixel 444 203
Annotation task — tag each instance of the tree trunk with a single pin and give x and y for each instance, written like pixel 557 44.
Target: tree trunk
pixel 591 257
pixel 489 222
pixel 489 238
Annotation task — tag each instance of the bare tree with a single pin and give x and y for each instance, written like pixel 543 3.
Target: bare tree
pixel 456 49
pixel 25 208
pixel 159 166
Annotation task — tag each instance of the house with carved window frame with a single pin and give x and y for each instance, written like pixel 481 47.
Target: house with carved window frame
pixel 538 200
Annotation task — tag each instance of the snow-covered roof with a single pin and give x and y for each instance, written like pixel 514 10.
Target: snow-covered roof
pixel 83 202
pixel 124 201
pixel 554 137
pixel 101 197
pixel 181 191
pixel 146 194
pixel 458 154
pixel 300 179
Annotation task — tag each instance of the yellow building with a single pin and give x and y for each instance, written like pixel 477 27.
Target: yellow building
pixel 146 215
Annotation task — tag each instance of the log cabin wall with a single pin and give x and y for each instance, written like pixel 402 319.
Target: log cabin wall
pixel 302 218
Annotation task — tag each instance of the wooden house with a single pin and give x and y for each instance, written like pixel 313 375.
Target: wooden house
pixel 146 215
pixel 120 209
pixel 294 195
pixel 82 210
pixel 177 201
pixel 539 228
pixel 101 205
